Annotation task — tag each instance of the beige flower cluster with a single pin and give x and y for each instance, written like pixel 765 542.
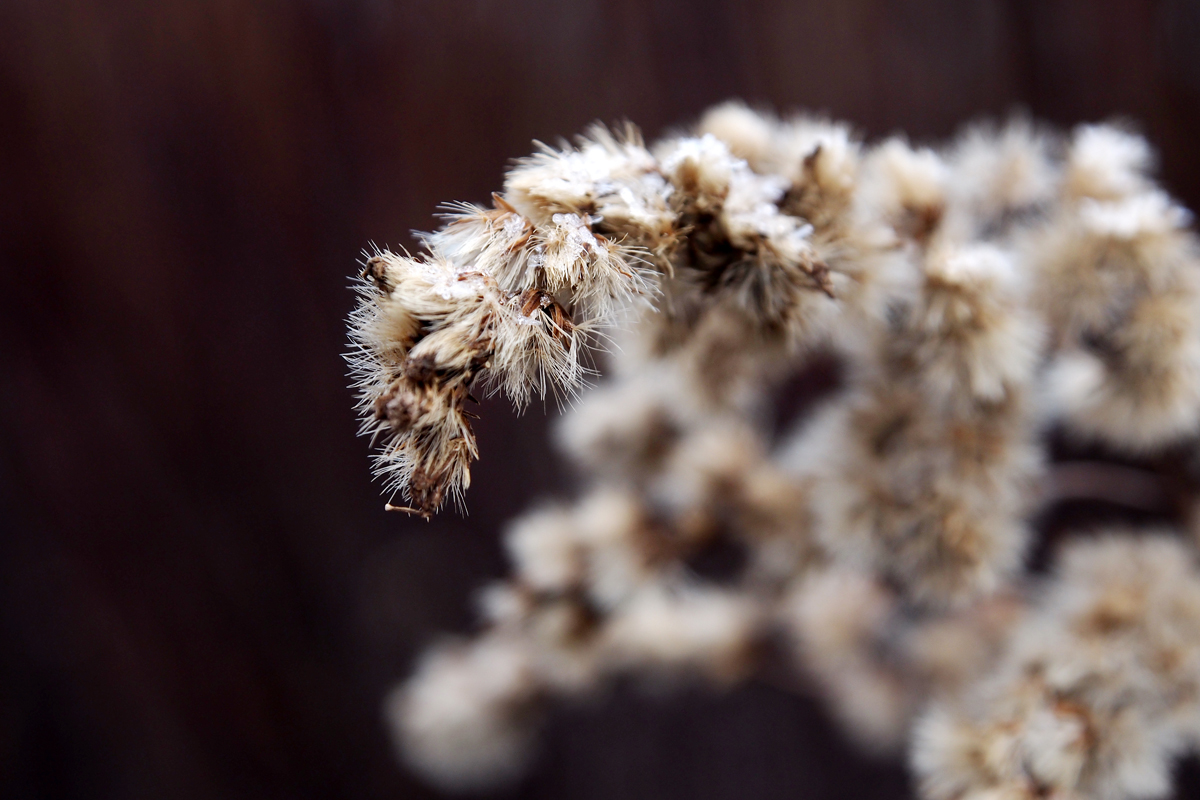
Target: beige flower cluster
pixel 976 295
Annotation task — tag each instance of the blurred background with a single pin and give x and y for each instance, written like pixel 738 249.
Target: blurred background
pixel 200 593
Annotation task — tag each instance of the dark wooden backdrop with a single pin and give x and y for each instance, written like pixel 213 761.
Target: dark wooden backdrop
pixel 200 595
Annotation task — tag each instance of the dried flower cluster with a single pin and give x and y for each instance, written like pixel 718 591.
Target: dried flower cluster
pixel 976 295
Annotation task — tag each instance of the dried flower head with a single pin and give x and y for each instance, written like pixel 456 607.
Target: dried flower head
pixel 973 295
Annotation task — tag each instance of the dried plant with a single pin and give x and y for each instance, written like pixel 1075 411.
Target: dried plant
pixel 978 296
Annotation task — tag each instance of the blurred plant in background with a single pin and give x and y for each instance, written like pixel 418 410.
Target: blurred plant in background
pixel 974 296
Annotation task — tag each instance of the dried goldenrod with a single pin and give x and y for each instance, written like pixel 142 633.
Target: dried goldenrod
pixel 973 295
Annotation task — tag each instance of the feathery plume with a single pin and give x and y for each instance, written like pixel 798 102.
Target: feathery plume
pixel 971 295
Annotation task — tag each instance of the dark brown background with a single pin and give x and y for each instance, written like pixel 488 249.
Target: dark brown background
pixel 200 595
